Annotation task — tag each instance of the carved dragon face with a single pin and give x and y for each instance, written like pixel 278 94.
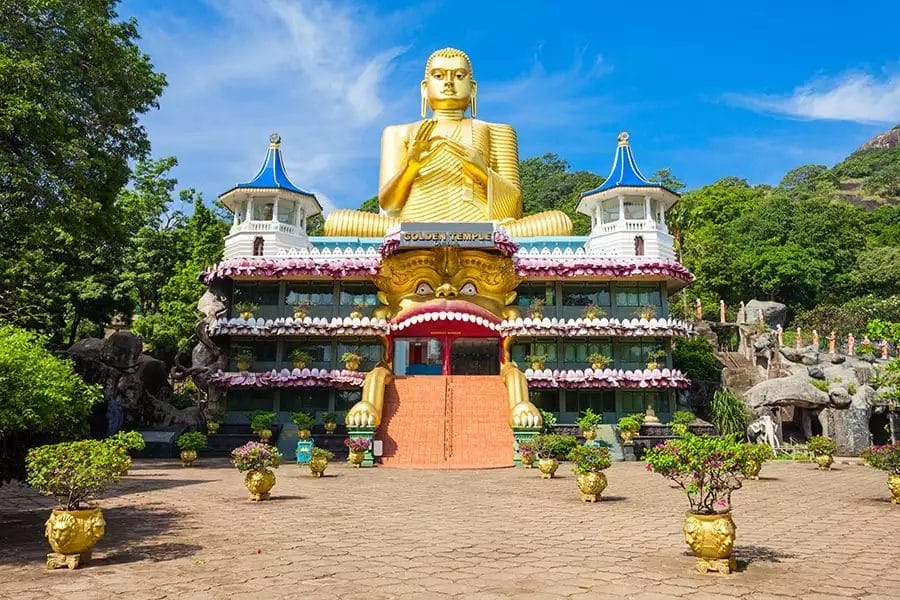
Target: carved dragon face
pixel 435 280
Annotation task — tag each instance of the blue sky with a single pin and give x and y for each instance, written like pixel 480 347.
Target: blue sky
pixel 708 89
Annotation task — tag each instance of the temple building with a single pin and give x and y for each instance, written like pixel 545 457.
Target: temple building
pixel 442 339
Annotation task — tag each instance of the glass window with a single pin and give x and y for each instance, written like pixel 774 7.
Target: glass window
pixel 599 401
pixel 545 399
pixel 638 401
pixel 418 356
pixel 310 400
pixel 287 211
pixel 585 294
pixel 636 354
pixel 363 294
pixel 635 209
pixel 575 353
pixel 319 350
pixel 610 210
pixel 370 352
pixel 261 294
pixel 345 399
pixel 240 400
pixel 262 211
pixel 525 294
pixel 317 295
pixel 522 349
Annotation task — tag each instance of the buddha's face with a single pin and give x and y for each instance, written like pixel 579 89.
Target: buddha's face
pixel 448 84
pixel 469 282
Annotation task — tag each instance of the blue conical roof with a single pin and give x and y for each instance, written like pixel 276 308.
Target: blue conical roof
pixel 624 172
pixel 272 174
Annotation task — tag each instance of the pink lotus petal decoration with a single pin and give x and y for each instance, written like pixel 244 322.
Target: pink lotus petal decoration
pixel 607 378
pixel 296 378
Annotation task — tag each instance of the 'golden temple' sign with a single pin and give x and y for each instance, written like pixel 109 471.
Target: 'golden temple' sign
pixel 461 235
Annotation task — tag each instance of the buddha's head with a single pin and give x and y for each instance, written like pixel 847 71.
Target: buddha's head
pixel 476 283
pixel 448 83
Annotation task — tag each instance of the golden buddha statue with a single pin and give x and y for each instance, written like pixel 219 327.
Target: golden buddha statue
pixel 450 168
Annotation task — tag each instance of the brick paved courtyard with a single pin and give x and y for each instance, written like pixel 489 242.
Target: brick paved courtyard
pixel 383 533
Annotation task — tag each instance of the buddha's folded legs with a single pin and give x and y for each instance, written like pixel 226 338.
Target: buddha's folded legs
pixel 357 223
pixel 553 222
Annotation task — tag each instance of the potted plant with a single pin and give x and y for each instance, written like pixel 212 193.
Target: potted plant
pixel 300 358
pixel 656 359
pixel 257 461
pixel 537 361
pixel 190 442
pixel 301 308
pixel 886 458
pixel 680 421
pixel 358 308
pixel 550 448
pixel 822 450
pixel 592 311
pixel 319 461
pixel 757 454
pixel 590 461
pixel 629 427
pixel 129 441
pixel 214 418
pixel 708 469
pixel 527 452
pixel 599 361
pixel 358 448
pixel 589 421
pixel 351 360
pixel 73 472
pixel 244 357
pixel 261 424
pixel 330 422
pixel 246 309
pixel 536 308
pixel 304 422
pixel 645 312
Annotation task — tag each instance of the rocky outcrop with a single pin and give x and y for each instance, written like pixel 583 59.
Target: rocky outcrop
pixel 883 141
pixel 775 313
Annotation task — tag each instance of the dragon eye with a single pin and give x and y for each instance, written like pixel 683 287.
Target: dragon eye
pixel 468 290
pixel 423 289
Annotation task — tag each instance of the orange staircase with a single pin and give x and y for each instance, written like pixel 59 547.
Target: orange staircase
pixel 446 422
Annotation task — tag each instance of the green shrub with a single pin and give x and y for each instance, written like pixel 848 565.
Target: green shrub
pixel 554 445
pixel 549 420
pixel 696 358
pixel 298 355
pixel 759 453
pixel 329 417
pixel 302 420
pixel 261 419
pixel 255 456
pixel 629 424
pixel 682 417
pixel 181 401
pixel 819 445
pixel 851 389
pixel 590 420
pixel 589 459
pixel 729 413
pixel 322 453
pixel 884 458
pixel 42 400
pixel 707 468
pixel 191 440
pixel 819 384
pixel 73 472
pixel 130 440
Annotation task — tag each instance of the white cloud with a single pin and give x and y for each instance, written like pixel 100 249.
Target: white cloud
pixel 852 97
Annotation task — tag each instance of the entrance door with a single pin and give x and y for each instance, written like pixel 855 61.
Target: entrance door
pixel 475 356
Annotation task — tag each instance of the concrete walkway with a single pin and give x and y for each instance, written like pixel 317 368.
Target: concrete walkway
pixel 386 533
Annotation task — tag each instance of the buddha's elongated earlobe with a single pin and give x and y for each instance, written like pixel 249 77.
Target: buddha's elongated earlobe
pixel 424 109
pixel 474 104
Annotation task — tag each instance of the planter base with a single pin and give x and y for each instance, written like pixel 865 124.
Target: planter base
pixel 55 560
pixel 590 497
pixel 722 565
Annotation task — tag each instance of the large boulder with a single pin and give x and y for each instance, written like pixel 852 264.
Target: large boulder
pixel 806 355
pixel 785 391
pixel 775 313
pixel 121 350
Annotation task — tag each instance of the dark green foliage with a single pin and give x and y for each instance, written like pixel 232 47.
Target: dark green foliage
pixel 130 440
pixel 41 399
pixel 729 413
pixel 866 162
pixel 696 358
pixel 302 420
pixel 819 445
pixel 261 419
pixel 589 459
pixel 548 184
pixel 851 317
pixel 191 440
pixel 370 205
pixel 73 472
pixel 549 420
pixel 554 445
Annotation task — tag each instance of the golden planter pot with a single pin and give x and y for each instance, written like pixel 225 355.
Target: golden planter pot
pixel 589 434
pixel 299 365
pixel 303 434
pixel 752 469
pixel 188 457
pixel 72 534
pixel 894 486
pixel 528 460
pixel 330 427
pixel 212 427
pixel 627 436
pixel 824 461
pixel 299 315
pixel 591 485
pixel 356 315
pixel 244 365
pixel 259 483
pixel 357 458
pixel 548 467
pixel 317 466
pixel 537 366
pixel 246 315
pixel 711 537
pixel 352 365
pixel 264 435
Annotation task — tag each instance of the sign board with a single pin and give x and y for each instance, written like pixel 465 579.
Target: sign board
pixel 377 448
pixel 159 437
pixel 461 235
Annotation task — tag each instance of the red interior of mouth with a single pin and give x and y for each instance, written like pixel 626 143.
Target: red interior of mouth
pixel 436 306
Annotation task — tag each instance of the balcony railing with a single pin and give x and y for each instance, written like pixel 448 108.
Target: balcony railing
pixel 263 226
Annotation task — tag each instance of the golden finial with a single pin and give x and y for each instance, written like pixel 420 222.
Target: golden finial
pixel 274 140
pixel 623 138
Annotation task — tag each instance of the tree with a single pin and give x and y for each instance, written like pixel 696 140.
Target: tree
pixel 370 205
pixel 42 400
pixel 665 178
pixel 548 184
pixel 884 182
pixel 72 84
